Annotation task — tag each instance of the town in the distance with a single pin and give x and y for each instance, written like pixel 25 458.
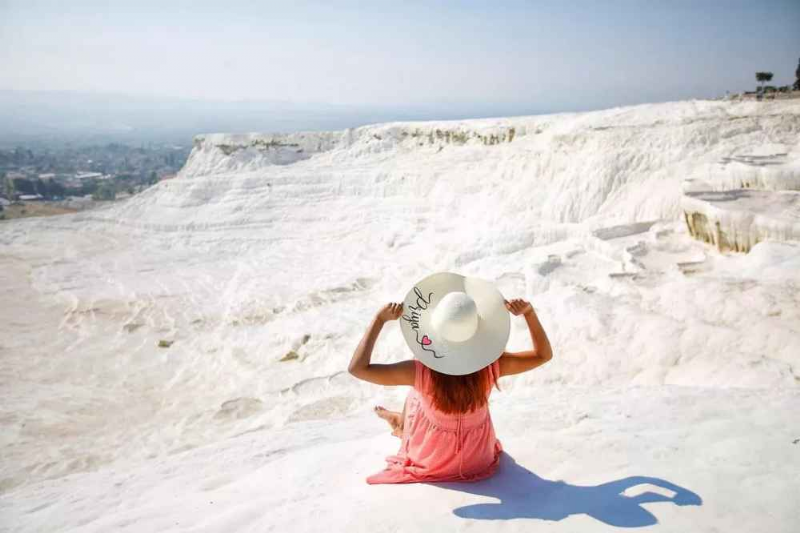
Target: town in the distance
pixel 53 180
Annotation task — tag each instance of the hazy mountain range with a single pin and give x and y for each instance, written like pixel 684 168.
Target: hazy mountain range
pixel 56 117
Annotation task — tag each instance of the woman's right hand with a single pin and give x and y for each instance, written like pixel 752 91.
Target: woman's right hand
pixel 390 311
pixel 519 307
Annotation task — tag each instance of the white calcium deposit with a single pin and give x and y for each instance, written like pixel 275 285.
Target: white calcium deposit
pixel 747 197
pixel 177 361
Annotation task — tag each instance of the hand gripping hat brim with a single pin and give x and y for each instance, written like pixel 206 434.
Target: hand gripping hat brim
pixel 435 351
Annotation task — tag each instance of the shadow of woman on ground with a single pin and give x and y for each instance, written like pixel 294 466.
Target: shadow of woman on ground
pixel 523 494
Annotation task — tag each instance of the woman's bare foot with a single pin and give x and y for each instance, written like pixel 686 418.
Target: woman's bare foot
pixel 394 419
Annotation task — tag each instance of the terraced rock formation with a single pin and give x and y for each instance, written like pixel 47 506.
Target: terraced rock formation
pixel 747 197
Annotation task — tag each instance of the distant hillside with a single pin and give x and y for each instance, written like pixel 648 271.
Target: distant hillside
pixel 30 117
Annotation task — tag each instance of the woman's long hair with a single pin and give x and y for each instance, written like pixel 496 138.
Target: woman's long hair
pixel 461 394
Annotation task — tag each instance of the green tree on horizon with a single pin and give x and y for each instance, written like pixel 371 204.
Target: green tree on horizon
pixel 763 77
pixel 797 75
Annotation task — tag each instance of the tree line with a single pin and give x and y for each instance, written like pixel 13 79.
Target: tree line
pixel 764 77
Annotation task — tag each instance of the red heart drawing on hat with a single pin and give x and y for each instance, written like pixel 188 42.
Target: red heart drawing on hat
pixel 425 340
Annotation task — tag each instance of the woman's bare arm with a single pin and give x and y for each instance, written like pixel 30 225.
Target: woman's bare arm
pixel 518 362
pixel 401 373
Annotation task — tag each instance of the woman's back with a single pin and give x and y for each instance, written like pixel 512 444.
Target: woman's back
pixel 438 446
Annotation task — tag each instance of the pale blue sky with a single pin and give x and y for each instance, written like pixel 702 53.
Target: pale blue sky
pixel 505 55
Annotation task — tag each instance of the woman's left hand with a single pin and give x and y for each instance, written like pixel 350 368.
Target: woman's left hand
pixel 390 311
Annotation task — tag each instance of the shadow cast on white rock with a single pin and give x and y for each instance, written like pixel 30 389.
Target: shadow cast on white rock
pixel 523 494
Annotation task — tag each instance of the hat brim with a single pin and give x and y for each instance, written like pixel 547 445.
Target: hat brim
pixel 455 358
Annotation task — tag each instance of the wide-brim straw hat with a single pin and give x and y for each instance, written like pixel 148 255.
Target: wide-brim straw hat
pixel 454 324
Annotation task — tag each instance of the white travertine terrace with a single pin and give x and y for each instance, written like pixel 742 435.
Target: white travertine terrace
pixel 261 264
pixel 747 197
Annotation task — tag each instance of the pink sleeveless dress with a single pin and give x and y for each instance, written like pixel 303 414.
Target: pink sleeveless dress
pixel 442 447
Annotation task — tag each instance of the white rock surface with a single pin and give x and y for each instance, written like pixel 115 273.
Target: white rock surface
pixel 672 361
pixel 739 219
pixel 746 198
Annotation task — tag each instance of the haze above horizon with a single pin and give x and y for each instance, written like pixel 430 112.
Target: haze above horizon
pixel 547 56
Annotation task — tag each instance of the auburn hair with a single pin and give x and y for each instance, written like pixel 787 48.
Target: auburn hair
pixel 461 394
